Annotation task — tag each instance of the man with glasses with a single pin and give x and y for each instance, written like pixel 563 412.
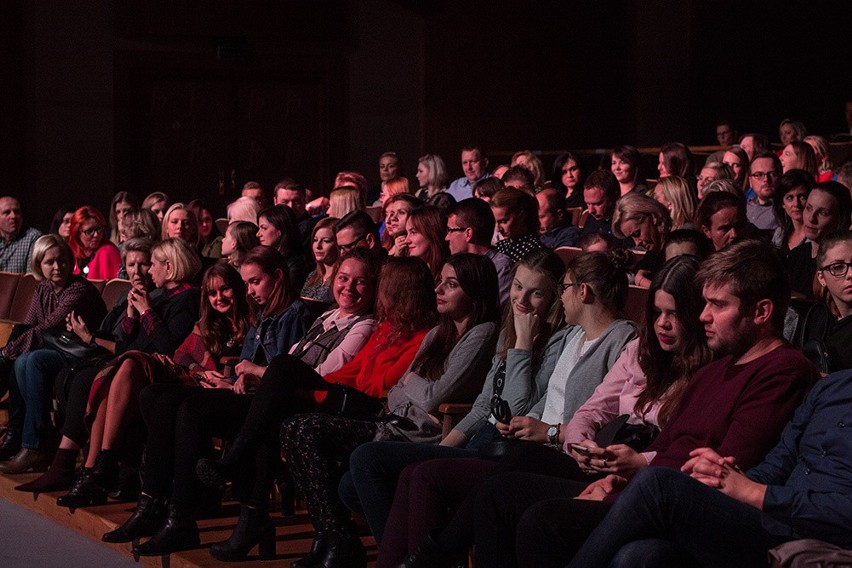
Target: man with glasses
pixel 763 174
pixel 470 225
pixel 357 230
pixel 16 243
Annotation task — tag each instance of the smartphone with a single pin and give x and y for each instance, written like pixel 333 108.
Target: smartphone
pixel 580 449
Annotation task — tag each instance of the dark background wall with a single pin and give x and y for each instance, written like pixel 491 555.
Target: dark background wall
pixel 197 97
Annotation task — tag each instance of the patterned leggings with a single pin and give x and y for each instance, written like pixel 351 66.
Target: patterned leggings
pixel 317 448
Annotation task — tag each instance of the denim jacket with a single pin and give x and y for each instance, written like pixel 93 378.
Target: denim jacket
pixel 275 334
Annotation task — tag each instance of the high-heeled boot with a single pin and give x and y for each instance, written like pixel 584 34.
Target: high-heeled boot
pixel 318 548
pixel 84 492
pixel 215 473
pixel 145 521
pixel 253 527
pixel 106 469
pixel 344 550
pixel 179 532
pixel 58 477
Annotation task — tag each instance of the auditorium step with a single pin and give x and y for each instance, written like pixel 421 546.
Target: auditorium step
pixel 294 534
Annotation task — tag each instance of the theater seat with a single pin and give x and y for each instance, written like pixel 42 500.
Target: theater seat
pixel 8 285
pixel 23 297
pixel 114 291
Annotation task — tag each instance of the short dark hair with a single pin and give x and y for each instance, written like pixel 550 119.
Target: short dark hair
pixel 520 174
pixel 715 202
pixel 604 180
pixel 776 163
pixel 359 222
pixel 754 270
pixel 476 215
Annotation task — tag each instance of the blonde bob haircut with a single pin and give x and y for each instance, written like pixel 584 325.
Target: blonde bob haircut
pixel 681 198
pixel 43 244
pixel 636 207
pixel 185 262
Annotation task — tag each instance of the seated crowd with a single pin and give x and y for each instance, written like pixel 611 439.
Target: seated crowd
pixel 302 344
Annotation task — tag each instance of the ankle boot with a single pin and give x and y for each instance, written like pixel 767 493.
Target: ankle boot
pixel 216 473
pixel 146 519
pixel 11 445
pixel 428 554
pixel 179 532
pixel 318 549
pixel 344 550
pixel 254 527
pixel 26 460
pixel 84 492
pixel 58 477
pixel 105 471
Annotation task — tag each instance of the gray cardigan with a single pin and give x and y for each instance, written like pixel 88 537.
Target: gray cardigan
pixel 417 398
pixel 525 383
pixel 591 368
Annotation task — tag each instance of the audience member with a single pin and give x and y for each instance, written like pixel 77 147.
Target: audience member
pixel 486 188
pixel 425 233
pixel 16 243
pixel 470 225
pixel 95 257
pixel 791 195
pixel 516 217
pixel 600 193
pixel 710 172
pixel 140 224
pixel 253 190
pixel 827 210
pixel 823 157
pixel 519 178
pixel 475 167
pixel 687 242
pixel 791 131
pixel 431 176
pixel 61 223
pixel 532 163
pixel 726 134
pixel 277 228
pixel 293 195
pixel 396 211
pixel 344 200
pixel 764 171
pixel 243 209
pixel 753 144
pixel 721 216
pixel 568 179
pixel 831 315
pixel 157 203
pixel 799 156
pixel 209 239
pixel 554 221
pixel 391 187
pixel 122 203
pixel 59 293
pixel 676 160
pixel 240 237
pixel 317 293
pixel 624 164
pixel 180 222
pixel 674 194
pixel 357 230
pixel 737 159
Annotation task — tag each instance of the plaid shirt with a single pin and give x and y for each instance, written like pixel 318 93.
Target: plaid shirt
pixel 15 254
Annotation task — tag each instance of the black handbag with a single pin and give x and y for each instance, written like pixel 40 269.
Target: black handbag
pixel 636 436
pixel 348 402
pixel 69 345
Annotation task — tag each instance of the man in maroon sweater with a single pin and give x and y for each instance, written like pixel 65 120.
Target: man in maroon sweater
pixel 738 404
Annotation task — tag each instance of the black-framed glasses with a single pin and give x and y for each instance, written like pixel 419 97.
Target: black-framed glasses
pixel 761 175
pixel 563 286
pixel 351 246
pixel 456 229
pixel 837 269
pixel 500 409
pixel 93 231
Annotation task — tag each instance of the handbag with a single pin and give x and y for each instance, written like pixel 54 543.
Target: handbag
pixel 619 431
pixel 69 345
pixel 348 402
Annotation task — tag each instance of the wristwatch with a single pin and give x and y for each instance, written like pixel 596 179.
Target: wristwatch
pixel 553 434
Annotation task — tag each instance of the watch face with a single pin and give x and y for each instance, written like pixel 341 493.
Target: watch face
pixel 551 431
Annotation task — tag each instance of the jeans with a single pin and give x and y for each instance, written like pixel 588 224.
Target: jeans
pixel 34 375
pixel 374 468
pixel 660 503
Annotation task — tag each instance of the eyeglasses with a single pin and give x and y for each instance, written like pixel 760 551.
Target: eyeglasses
pixel 456 229
pixel 93 231
pixel 351 246
pixel 767 175
pixel 837 269
pixel 563 286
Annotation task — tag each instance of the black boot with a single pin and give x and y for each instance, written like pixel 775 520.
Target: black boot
pixel 105 471
pixel 145 521
pixel 254 527
pixel 215 473
pixel 428 554
pixel 318 549
pixel 11 445
pixel 179 532
pixel 344 550
pixel 84 492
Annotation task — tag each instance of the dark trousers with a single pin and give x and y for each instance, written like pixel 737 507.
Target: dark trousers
pixel 74 424
pixel 666 514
